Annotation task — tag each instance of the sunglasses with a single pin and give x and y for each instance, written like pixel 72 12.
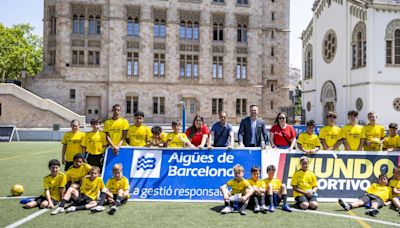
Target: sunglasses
pixel 282 118
pixel 331 116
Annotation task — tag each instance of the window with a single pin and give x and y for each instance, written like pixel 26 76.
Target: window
pixel 93 58
pixel 272 34
pixel 217 105
pixel 78 58
pixel 219 1
pixel 52 57
pixel 189 30
pixel 218 32
pixel 159 28
pixel 133 27
pixel 217 67
pixel 98 25
pixel 272 105
pixel 272 16
pixel 241 68
pixel 189 66
pixel 75 25
pixel 329 46
pixel 308 63
pixel 272 87
pixel 241 105
pixel 242 33
pixel 82 25
pixel 133 64
pixel 359 45
pixel 272 51
pixel 393 42
pixel 159 105
pixel 272 70
pixel 91 25
pixel 78 24
pixel 72 94
pixel 242 2
pixel 132 104
pixel 159 65
pixel 53 25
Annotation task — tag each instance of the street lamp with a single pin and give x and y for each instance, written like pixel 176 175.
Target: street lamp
pixel 23 71
pixel 183 103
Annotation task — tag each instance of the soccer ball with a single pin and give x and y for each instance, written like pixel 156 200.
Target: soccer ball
pixel 17 190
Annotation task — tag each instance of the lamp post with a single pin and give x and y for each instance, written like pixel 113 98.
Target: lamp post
pixel 183 103
pixel 23 71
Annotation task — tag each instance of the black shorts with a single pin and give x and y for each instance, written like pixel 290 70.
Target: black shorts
pixel 39 200
pixel 123 200
pixel 275 197
pixel 372 198
pixel 95 160
pixel 82 200
pixel 305 199
pixel 68 164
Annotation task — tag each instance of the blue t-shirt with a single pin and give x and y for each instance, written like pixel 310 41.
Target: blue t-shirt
pixel 221 134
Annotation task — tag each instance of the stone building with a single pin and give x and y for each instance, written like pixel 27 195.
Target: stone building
pixel 155 55
pixel 352 62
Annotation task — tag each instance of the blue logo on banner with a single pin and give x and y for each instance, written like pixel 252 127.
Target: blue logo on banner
pixel 146 163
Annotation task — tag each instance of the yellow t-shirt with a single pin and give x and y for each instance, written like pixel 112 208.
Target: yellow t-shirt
pixel 92 188
pixel 275 182
pixel 138 136
pixel 76 174
pixel 53 184
pixel 238 187
pixel 95 142
pixel 352 134
pixel 163 138
pixel 177 140
pixel 330 134
pixel 309 142
pixel 373 134
pixel 394 183
pixel 73 142
pixel 260 184
pixel 303 180
pixel 114 185
pixel 384 192
pixel 391 142
pixel 115 129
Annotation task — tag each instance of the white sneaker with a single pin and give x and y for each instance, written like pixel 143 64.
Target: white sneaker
pixel 263 208
pixel 97 209
pixel 71 209
pixel 58 210
pixel 256 209
pixel 227 210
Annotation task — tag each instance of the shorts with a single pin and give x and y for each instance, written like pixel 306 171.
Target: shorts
pixel 95 160
pixel 369 198
pixel 68 164
pixel 283 147
pixel 305 199
pixel 275 197
pixel 82 200
pixel 124 201
pixel 39 200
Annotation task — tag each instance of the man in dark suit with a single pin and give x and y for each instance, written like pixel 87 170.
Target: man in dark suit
pixel 252 129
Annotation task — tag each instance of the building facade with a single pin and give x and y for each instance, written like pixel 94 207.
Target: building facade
pixel 353 61
pixel 156 55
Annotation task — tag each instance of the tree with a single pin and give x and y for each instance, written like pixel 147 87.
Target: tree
pixel 20 50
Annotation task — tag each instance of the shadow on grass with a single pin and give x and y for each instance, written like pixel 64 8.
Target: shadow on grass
pixel 217 208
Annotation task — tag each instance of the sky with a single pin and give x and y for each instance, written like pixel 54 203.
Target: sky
pixel 31 11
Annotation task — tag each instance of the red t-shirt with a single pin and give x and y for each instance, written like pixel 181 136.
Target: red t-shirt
pixel 198 135
pixel 289 132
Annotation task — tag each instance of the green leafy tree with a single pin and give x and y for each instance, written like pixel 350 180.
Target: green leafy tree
pixel 20 50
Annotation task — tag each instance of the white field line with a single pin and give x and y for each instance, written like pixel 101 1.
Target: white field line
pixel 15 197
pixel 27 219
pixel 349 217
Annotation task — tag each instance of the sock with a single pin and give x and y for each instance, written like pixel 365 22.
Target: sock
pixel 351 206
pixel 284 198
pixel 243 207
pixel 118 201
pixel 256 203
pixel 102 198
pixel 262 200
pixel 82 207
pixel 227 203
pixel 62 203
pixel 271 199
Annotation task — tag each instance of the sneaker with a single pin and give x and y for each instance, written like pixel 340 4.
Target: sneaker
pixel 271 208
pixel 372 212
pixel 226 210
pixel 344 204
pixel 263 208
pixel 112 210
pixel 97 209
pixel 286 208
pixel 256 209
pixel 243 212
pixel 71 209
pixel 58 210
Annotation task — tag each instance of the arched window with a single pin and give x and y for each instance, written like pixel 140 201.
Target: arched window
pixel 189 30
pixel 159 28
pixel 91 25
pixel 98 25
pixel 218 32
pixel 75 24
pixel 359 46
pixel 82 24
pixel 242 33
pixel 393 42
pixel 308 62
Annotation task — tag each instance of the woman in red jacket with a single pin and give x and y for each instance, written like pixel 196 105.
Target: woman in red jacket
pixel 198 132
pixel 282 135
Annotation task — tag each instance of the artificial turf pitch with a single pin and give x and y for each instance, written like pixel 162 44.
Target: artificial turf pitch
pixel 26 163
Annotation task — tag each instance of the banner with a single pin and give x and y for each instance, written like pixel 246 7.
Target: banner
pixel 179 174
pixel 6 133
pixel 196 175
pixel 340 174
